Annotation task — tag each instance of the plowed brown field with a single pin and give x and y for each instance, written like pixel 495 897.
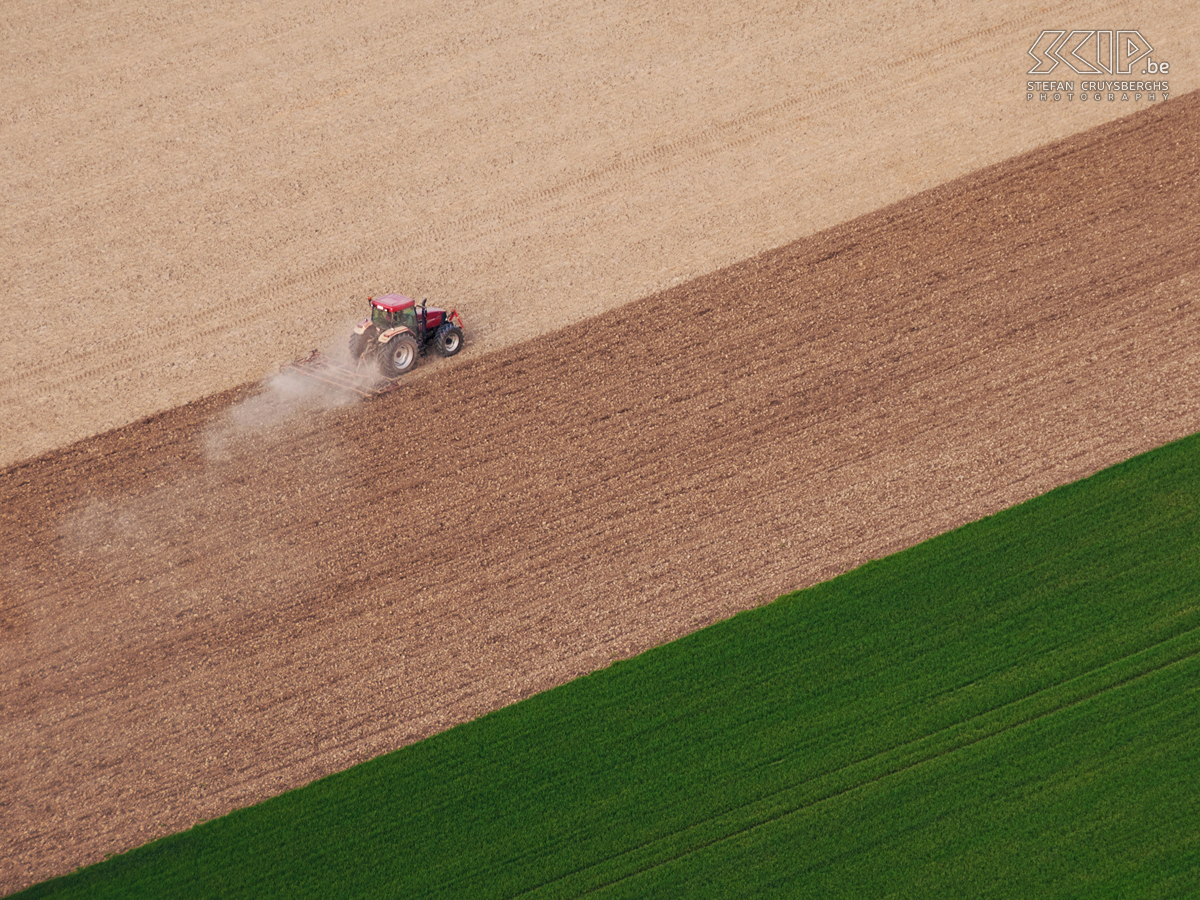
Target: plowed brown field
pixel 246 593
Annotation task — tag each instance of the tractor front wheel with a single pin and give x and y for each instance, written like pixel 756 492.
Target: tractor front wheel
pixel 448 340
pixel 399 355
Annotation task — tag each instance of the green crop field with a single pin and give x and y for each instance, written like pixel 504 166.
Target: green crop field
pixel 1009 710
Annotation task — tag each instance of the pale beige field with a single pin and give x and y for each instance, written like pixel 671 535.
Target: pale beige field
pixel 192 196
pixel 194 193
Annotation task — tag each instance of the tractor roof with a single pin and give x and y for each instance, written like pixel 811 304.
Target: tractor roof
pixel 393 302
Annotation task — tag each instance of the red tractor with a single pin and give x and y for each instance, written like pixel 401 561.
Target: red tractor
pixel 398 332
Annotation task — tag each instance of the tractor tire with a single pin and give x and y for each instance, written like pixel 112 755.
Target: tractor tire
pixel 399 355
pixel 358 346
pixel 448 340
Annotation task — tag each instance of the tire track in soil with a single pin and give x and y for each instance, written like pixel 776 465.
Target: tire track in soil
pixel 565 196
pixel 197 616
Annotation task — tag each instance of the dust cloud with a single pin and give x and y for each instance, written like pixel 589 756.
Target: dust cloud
pixel 262 465
pixel 283 397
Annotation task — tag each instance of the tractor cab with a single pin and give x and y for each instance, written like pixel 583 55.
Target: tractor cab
pixel 394 311
pixel 399 331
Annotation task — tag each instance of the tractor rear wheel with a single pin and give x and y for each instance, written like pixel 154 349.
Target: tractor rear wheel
pixel 399 355
pixel 358 343
pixel 448 340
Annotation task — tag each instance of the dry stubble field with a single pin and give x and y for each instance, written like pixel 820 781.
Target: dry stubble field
pixel 194 193
pixel 242 594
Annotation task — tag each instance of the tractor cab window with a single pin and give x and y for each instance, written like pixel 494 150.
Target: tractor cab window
pixel 385 319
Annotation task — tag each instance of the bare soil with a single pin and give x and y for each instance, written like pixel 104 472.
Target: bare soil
pixel 232 598
pixel 194 193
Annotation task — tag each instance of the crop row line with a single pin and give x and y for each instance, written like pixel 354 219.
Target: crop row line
pixel 839 782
